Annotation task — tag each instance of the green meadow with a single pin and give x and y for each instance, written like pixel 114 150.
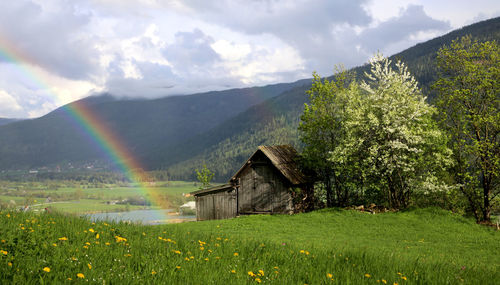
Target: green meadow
pixel 84 198
pixel 424 246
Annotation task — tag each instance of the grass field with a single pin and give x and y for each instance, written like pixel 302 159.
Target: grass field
pixel 71 197
pixel 428 246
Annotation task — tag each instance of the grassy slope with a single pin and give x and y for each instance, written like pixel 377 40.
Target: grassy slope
pixel 424 246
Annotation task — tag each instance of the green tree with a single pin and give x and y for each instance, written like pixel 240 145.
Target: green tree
pixel 377 136
pixel 469 102
pixel 394 136
pixel 204 176
pixel 322 129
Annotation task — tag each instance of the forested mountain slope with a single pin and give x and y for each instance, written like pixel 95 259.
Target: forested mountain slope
pixel 142 125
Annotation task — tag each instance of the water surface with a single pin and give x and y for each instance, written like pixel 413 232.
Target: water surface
pixel 146 217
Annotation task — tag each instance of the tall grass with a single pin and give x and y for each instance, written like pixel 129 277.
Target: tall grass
pixel 335 246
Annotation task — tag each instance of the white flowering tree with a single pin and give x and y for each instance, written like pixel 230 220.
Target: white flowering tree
pixel 391 131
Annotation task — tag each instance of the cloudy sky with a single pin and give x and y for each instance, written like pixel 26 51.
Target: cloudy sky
pixel 53 52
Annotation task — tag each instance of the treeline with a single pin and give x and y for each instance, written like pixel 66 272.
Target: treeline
pixel 92 177
pixel 378 140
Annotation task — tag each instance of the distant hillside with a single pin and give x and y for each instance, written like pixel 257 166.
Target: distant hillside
pixel 144 125
pixel 275 121
pixel 5 121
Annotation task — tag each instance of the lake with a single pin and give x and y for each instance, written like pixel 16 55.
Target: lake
pixel 145 217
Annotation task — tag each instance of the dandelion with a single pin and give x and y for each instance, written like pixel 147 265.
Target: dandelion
pixel 87 243
pixel 128 255
pixel 384 281
pixel 191 257
pixel 367 275
pixel 217 257
pixel 97 236
pixel 4 252
pixel 403 277
pixel 89 266
pixel 80 275
pixel 209 251
pixel 107 243
pixel 178 267
pixel 302 251
pixel 176 251
pixel 143 233
pixel 329 275
pixel 9 264
pixel 395 283
pixel 91 230
pixel 69 278
pixel 8 215
pixel 186 258
pixel 258 280
pixel 235 254
pixel 250 273
pixel 153 272
pixel 233 271
pixel 46 269
pixel 74 258
pixel 206 259
pixel 202 248
pixel 120 239
pixel 63 238
pixel 54 244
pixel 276 267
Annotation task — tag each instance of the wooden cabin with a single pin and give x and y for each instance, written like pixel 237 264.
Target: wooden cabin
pixel 267 183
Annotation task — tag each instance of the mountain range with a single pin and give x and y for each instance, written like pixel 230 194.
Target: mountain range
pixel 181 133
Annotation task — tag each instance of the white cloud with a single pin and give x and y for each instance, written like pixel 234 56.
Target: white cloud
pixel 69 49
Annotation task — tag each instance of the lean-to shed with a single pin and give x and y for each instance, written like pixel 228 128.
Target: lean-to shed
pixel 268 182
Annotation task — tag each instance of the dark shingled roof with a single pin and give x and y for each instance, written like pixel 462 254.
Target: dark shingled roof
pixel 283 158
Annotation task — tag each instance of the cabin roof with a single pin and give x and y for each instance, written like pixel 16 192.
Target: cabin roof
pixel 283 157
pixel 218 188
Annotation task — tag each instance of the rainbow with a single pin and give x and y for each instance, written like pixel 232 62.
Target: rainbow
pixel 88 121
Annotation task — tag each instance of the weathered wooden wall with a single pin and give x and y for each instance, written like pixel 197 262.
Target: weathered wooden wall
pixel 263 189
pixel 215 206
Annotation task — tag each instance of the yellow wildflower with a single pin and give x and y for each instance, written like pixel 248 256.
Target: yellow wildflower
pixel 97 236
pixel 74 258
pixel 143 233
pixel 251 273
pixel 107 243
pixel 395 283
pixel 54 244
pixel 91 230
pixel 87 243
pixel 80 275
pixel 367 275
pixel 217 257
pixel 258 280
pixel 9 264
pixel 384 281
pixel 329 275
pixel 191 257
pixel 46 269
pixel 235 254
pixel 186 259
pixel 403 277
pixel 63 238
pixel 202 248
pixel 233 271
pixel 210 251
pixel 8 215
pixel 206 259
pixel 89 266
pixel 4 252
pixel 153 272
pixel 120 239
pixel 176 251
pixel 69 278
pixel 302 251
pixel 178 267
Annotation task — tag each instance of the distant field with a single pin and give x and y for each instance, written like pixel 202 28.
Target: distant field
pixel 71 197
pixel 426 246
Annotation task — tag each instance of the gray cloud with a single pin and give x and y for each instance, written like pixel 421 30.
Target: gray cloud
pixel 411 21
pixel 191 51
pixel 54 39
